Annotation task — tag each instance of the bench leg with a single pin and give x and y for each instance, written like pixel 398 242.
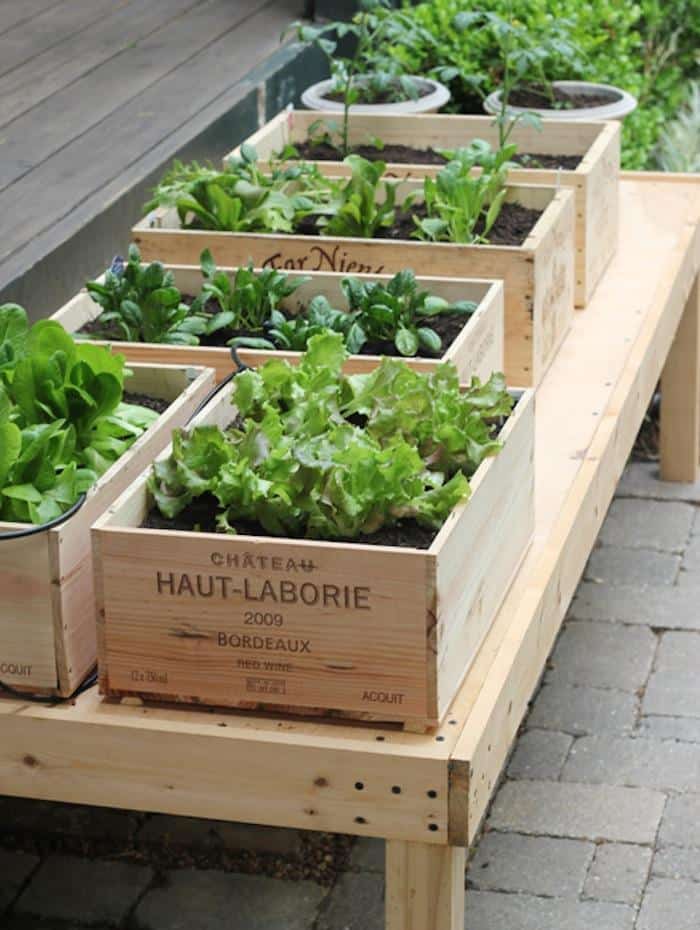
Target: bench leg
pixel 680 398
pixel 424 886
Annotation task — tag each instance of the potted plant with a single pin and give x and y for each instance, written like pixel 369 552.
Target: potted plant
pixel 76 426
pixel 346 551
pixel 459 223
pixel 192 315
pixel 368 80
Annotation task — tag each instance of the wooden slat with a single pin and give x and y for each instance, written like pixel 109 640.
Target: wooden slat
pixel 13 14
pixel 424 887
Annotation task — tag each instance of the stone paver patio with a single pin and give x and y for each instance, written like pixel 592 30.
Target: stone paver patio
pixel 596 826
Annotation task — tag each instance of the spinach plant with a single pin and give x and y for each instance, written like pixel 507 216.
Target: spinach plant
pixel 398 312
pixel 463 206
pixel 363 205
pixel 294 333
pixel 63 421
pixel 298 463
pixel 368 74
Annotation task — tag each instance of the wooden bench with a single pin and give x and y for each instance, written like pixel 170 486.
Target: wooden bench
pixel 426 794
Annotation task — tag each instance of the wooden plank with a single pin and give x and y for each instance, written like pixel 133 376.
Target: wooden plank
pixel 571 508
pixel 32 138
pixel 42 75
pixel 424 886
pixel 60 183
pixel 13 14
pixel 680 398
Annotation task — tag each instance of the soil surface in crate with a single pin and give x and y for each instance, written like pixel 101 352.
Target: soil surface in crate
pixel 565 99
pixel 410 155
pixel 144 400
pixel 200 516
pixel 447 326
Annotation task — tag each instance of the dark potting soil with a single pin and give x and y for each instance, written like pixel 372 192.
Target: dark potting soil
pixel 568 100
pixel 448 326
pixel 200 516
pixel 101 331
pixel 145 400
pixel 410 155
pixel 512 227
pixel 387 96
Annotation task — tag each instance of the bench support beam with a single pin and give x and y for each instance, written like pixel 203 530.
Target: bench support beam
pixel 424 886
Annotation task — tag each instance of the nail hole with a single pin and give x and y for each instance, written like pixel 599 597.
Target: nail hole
pixel 380 739
pixel 439 739
pixel 359 785
pixel 433 827
pixel 432 793
pixel 396 789
pixel 360 820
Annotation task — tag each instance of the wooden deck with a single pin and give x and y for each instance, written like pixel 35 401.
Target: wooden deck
pixel 95 97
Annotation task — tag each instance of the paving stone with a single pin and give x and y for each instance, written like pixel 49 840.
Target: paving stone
pixel 530 864
pixel 23 815
pixel 677 862
pixel 670 904
pixel 618 565
pixel 15 869
pixel 595 812
pixel 635 762
pixel 647 524
pixel 674 685
pixel 489 910
pixel 673 608
pixel 368 855
pixel 194 833
pixel 355 903
pixel 685 729
pixel 681 821
pixel 540 754
pixel 89 891
pixel 690 565
pixel 602 655
pixel 579 710
pixel 208 899
pixel 618 873
pixel 641 479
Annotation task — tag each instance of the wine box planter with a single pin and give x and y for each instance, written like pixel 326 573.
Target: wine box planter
pixel 47 608
pixel 372 632
pixel 477 350
pixel 538 276
pixel 595 181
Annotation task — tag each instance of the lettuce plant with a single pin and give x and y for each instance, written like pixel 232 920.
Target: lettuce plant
pixel 318 454
pixel 62 418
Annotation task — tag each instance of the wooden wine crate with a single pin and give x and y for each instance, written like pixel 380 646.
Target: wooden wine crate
pixel 477 350
pixel 47 608
pixel 595 180
pixel 538 276
pixel 372 632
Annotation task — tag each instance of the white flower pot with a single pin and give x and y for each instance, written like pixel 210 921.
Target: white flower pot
pixel 313 98
pixel 616 109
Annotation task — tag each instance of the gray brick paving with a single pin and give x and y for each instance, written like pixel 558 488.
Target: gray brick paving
pixel 210 900
pixel 72 888
pixel 578 710
pixel 618 565
pixel 686 729
pixel 681 821
pixel 488 910
pixel 619 873
pixel 674 686
pixel 634 761
pixel 602 655
pixel 647 524
pixel 672 608
pixel 670 904
pixel 356 903
pixel 594 812
pixel 690 564
pixel 530 864
pixel 217 834
pixel 540 754
pixel 677 862
pixel 368 855
pixel 641 479
pixel 15 869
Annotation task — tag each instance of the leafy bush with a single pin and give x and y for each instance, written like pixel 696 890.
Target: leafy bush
pixel 300 466
pixel 679 147
pixel 648 48
pixel 62 419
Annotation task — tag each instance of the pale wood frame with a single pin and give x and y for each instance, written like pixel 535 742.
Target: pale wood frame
pixel 594 180
pixel 477 350
pixel 47 618
pixel 432 607
pixel 538 276
pixel 302 774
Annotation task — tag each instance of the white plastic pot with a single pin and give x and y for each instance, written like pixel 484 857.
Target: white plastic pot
pixel 313 99
pixel 616 109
